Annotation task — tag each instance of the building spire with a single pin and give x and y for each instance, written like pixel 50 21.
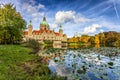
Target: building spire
pixel 30 22
pixel 60 30
pixel 44 18
pixel 60 27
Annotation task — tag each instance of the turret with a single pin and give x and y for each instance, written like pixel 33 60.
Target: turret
pixel 44 18
pixel 60 30
pixel 30 28
pixel 44 25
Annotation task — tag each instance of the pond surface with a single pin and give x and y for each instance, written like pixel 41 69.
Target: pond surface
pixel 86 64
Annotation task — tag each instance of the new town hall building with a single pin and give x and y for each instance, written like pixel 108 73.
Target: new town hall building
pixel 44 33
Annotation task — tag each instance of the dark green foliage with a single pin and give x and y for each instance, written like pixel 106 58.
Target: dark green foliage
pixel 35 45
pixel 91 40
pixel 11 25
pixel 117 42
pixel 85 35
pixel 40 69
pixel 48 42
pixel 111 37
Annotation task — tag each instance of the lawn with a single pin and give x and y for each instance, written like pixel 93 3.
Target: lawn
pixel 17 63
pixel 10 57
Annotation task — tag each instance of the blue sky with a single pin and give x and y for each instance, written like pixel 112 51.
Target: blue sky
pixel 75 16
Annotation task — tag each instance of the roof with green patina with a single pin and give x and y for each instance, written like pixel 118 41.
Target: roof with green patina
pixel 44 23
pixel 30 23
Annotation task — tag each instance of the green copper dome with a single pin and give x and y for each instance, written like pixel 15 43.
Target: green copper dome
pixel 44 23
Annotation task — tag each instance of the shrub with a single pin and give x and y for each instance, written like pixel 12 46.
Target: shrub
pixel 34 44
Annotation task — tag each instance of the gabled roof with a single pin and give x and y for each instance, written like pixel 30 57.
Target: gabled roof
pixel 51 31
pixel 47 31
pixel 56 33
pixel 37 32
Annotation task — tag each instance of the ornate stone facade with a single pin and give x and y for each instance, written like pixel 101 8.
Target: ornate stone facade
pixel 44 33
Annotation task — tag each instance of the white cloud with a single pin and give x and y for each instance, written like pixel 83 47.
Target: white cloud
pixel 69 16
pixel 110 26
pixel 40 6
pixel 33 10
pixel 81 20
pixel 53 26
pixel 64 16
pixel 38 14
pixel 91 29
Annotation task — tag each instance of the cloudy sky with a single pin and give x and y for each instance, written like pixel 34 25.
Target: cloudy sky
pixel 75 16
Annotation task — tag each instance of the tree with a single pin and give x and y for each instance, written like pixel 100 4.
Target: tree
pixel 76 39
pixel 111 37
pixel 11 24
pixel 102 39
pixel 84 38
pixel 97 41
pixel 70 40
pixel 117 42
pixel 91 40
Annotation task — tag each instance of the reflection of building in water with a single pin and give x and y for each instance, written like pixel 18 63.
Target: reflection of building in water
pixel 97 45
pixel 57 44
pixel 51 53
pixel 45 33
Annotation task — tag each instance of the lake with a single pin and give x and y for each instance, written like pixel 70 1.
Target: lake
pixel 85 64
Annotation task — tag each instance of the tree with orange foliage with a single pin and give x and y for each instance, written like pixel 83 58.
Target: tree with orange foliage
pixel 102 39
pixel 84 38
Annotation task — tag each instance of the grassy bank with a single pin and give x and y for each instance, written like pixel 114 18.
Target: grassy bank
pixel 17 63
pixel 10 57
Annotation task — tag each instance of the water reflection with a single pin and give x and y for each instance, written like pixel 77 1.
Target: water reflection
pixel 81 46
pixel 85 64
pixel 49 52
pixel 97 45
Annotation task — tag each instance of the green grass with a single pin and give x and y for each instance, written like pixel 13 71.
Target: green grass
pixel 11 56
pixel 16 63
